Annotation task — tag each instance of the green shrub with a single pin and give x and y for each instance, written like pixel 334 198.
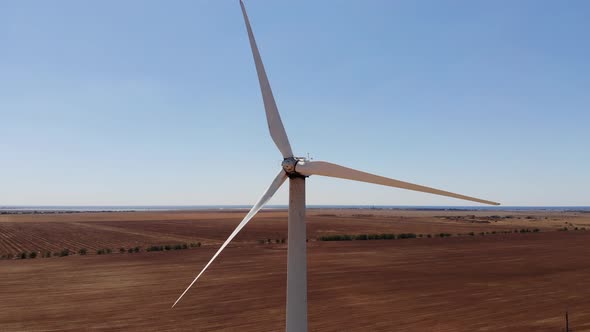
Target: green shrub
pixel 22 255
pixel 82 251
pixel 471 234
pixel 33 254
pixel 130 250
pixel 108 250
pixel 65 252
pixel 184 246
pixel 155 248
pixel 406 236
pixel 47 254
pixel 137 249
pixel 122 250
pixel 99 252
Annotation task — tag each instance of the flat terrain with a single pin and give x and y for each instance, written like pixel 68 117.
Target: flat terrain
pixel 490 282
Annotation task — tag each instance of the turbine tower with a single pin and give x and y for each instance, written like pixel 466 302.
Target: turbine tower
pixel 297 169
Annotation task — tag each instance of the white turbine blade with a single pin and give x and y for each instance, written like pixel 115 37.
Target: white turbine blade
pixel 336 171
pixel 275 125
pixel 275 185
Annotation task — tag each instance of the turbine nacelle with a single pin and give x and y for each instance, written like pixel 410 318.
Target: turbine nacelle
pixel 290 166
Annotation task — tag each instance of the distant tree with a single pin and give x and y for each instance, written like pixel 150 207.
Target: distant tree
pixel 22 255
pixel 33 254
pixel 122 250
pixel 65 252
pixel 82 251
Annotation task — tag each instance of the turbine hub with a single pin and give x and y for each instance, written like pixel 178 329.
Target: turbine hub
pixel 289 165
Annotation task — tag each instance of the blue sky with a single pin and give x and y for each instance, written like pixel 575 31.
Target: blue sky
pixel 153 102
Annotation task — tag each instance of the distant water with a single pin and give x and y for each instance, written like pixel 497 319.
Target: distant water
pixel 95 208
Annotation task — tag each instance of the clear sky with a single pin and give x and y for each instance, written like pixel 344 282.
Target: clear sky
pixel 157 102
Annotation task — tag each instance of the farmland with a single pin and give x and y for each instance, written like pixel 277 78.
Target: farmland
pixel 94 231
pixel 491 281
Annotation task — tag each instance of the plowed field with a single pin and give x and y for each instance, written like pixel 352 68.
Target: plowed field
pixel 500 282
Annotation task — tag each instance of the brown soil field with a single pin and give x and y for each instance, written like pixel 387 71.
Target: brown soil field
pixel 54 232
pixel 501 282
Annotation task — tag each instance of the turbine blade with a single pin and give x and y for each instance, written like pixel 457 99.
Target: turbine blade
pixel 273 119
pixel 337 171
pixel 275 185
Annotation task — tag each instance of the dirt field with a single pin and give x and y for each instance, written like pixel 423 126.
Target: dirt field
pixel 501 282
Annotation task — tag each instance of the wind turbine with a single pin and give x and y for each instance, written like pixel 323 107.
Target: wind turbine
pixel 297 169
